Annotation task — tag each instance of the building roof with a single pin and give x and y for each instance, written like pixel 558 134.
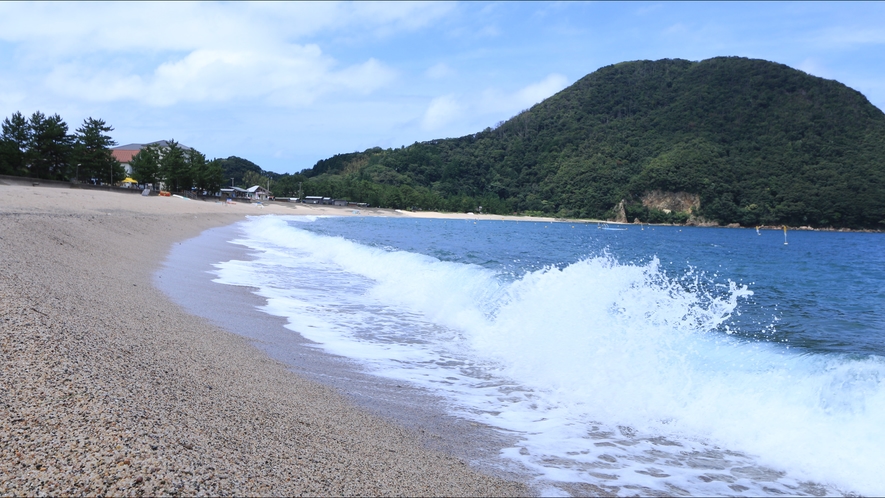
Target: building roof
pixel 128 147
pixel 123 155
pixel 138 147
pixel 164 143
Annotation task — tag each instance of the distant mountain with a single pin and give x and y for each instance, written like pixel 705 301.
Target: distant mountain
pixel 729 140
pixel 243 171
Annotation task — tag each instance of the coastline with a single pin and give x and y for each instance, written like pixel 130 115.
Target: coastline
pixel 110 388
pixel 349 211
pixel 185 276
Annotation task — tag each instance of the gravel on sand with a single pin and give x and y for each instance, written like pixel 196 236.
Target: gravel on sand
pixel 107 387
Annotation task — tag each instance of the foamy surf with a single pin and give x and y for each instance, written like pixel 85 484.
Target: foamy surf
pixel 615 374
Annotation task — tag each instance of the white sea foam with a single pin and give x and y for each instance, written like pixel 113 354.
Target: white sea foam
pixel 614 374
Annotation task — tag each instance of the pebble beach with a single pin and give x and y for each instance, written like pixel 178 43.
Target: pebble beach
pixel 109 388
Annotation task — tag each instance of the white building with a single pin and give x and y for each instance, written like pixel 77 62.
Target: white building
pixel 258 193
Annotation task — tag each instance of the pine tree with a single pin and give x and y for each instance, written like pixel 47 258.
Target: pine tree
pixel 92 155
pixel 49 148
pixel 146 166
pixel 174 168
pixel 207 176
pixel 212 177
pixel 14 145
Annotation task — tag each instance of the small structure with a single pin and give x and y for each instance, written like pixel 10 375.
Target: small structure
pixel 328 201
pixel 233 193
pixel 258 193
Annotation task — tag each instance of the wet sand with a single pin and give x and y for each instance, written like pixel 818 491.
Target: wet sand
pixel 109 387
pixel 186 276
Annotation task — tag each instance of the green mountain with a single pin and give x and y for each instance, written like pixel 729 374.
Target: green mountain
pixel 730 140
pixel 236 168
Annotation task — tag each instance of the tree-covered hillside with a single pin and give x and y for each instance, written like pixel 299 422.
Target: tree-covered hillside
pixel 757 142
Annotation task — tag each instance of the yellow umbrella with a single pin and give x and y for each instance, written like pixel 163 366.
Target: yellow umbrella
pixel 129 180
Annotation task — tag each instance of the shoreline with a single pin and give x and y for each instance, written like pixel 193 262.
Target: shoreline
pixel 108 387
pixel 185 277
pixel 327 210
pixel 395 213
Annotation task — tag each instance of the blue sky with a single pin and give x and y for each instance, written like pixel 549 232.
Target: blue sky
pixel 287 84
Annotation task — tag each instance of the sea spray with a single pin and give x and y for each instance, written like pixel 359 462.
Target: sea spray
pixel 621 374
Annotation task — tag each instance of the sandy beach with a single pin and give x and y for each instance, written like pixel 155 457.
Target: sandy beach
pixel 108 387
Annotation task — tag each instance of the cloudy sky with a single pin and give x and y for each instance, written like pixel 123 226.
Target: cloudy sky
pixel 287 84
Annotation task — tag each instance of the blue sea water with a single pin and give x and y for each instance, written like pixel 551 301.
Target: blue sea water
pixel 668 360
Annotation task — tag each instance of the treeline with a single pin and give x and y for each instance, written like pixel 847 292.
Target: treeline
pixel 758 142
pixel 41 147
pixel 180 169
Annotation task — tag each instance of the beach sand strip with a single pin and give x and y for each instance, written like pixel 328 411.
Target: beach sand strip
pixel 107 387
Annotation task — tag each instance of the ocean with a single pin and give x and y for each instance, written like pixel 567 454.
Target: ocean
pixel 652 360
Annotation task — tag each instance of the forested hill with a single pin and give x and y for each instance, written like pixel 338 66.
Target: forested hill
pixel 745 141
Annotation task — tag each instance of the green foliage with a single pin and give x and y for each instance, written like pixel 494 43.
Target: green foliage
pixel 252 178
pixel 175 169
pixel 651 215
pixel 759 142
pixel 14 144
pixel 180 169
pixel 236 168
pixel 10 164
pixel 92 155
pixel 41 147
pixel 289 185
pixel 146 166
pixel 49 148
pixel 208 176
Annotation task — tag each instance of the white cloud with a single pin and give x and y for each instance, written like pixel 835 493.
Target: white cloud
pixel 165 53
pixel 296 77
pixel 10 97
pixel 453 115
pixel 362 78
pixel 489 31
pixel 536 92
pixel 64 29
pixel 442 111
pixel 814 67
pixel 70 28
pixel 646 9
pixel 842 36
pixel 397 16
pixel 675 29
pixel 439 71
pixel 494 101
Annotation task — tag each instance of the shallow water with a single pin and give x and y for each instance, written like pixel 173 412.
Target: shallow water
pixel 653 360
